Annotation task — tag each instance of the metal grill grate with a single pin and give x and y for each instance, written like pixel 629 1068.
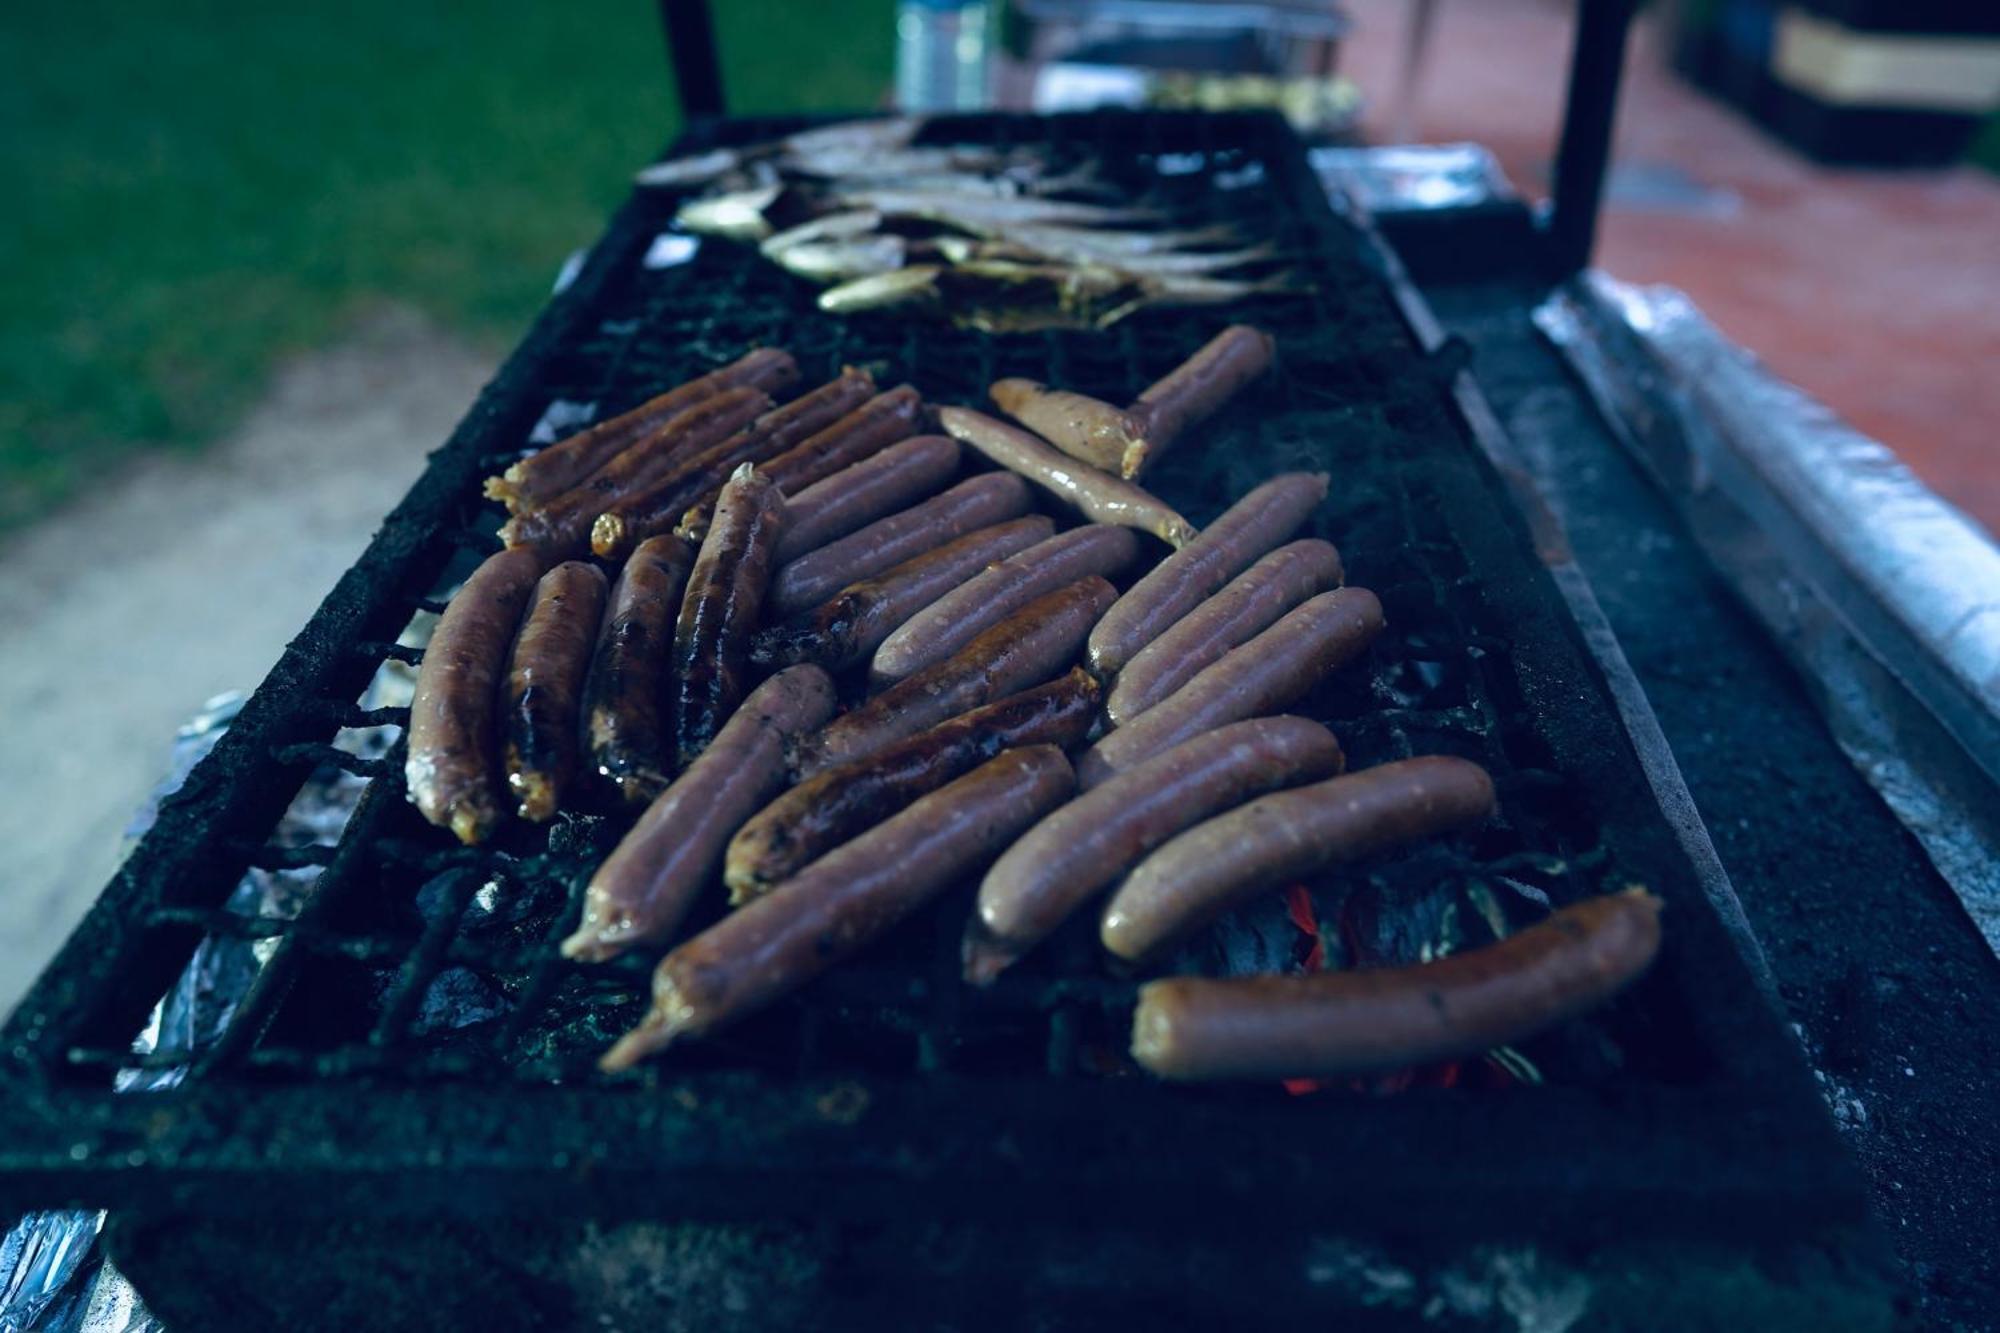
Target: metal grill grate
pixel 401 926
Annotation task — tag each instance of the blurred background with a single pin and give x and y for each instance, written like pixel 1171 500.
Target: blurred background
pixel 260 258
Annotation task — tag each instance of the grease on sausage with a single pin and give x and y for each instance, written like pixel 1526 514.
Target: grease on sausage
pixel 545 686
pixel 626 691
pixel 725 593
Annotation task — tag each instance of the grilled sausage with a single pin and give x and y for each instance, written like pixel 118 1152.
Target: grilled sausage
pixel 545 686
pixel 656 508
pixel 1082 849
pixel 978 502
pixel 1266 674
pixel 1330 1024
pixel 949 623
pixel 724 594
pixel 844 900
pixel 562 526
pixel 1024 649
pixel 824 811
pixel 1253 525
pixel 870 428
pixel 846 629
pixel 1193 391
pixel 453 757
pixel 1216 865
pixel 644 888
pixel 1088 429
pixel 628 675
pixel 1248 605
pixel 569 463
pixel 858 495
pixel 1101 498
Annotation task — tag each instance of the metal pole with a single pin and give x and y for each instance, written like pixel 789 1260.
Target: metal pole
pixel 691 47
pixel 1596 64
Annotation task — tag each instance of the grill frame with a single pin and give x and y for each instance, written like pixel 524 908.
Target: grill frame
pixel 1746 1148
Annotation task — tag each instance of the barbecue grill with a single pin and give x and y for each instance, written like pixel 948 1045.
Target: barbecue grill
pixel 401 1121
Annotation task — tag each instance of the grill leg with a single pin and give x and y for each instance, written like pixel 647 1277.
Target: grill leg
pixel 691 47
pixel 1596 64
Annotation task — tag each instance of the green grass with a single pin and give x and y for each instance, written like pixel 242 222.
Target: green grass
pixel 205 187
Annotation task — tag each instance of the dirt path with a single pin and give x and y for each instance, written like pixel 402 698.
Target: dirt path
pixel 183 578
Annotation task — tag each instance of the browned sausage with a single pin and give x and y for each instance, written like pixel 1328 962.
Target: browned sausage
pixel 1088 429
pixel 724 594
pixel 847 628
pixel 1335 1023
pixel 1193 391
pixel 1102 498
pixel 950 622
pixel 628 676
pixel 824 811
pixel 656 508
pixel 1253 525
pixel 1024 649
pixel 870 428
pixel 568 463
pixel 1255 847
pixel 857 495
pixel 1081 850
pixel 844 900
pixel 641 892
pixel 454 760
pixel 562 526
pixel 545 686
pixel 977 502
pixel 1248 605
pixel 1268 673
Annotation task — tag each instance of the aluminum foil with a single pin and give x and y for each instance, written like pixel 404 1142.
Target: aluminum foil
pixel 1885 596
pixel 53 1275
pixel 1412 178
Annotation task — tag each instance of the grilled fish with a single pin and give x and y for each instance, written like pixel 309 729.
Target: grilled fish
pixel 1001 296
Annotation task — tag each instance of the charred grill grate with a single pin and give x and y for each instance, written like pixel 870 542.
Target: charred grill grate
pixel 415 1008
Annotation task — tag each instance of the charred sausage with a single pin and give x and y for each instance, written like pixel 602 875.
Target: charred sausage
pixel 644 888
pixel 870 428
pixel 1102 498
pixel 562 526
pixel 569 463
pixel 1247 605
pixel 824 811
pixel 656 508
pixel 453 749
pixel 1024 649
pixel 1082 849
pixel 628 674
pixel 1253 525
pixel 1193 391
pixel 949 623
pixel 844 900
pixel 1265 674
pixel 1218 864
pixel 545 686
pixel 856 496
pixel 1087 429
pixel 1335 1023
pixel 724 594
pixel 978 502
pixel 847 628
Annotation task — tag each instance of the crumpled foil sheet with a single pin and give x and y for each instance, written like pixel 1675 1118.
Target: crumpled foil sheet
pixel 1885 595
pixel 53 1276
pixel 1413 178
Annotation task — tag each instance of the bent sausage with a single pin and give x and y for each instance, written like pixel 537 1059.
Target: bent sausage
pixel 1102 498
pixel 859 494
pixel 644 888
pixel 844 900
pixel 628 675
pixel 453 757
pixel 724 594
pixel 1218 864
pixel 1081 849
pixel 545 686
pixel 1253 525
pixel 1335 1023
pixel 1088 429
pixel 1268 673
